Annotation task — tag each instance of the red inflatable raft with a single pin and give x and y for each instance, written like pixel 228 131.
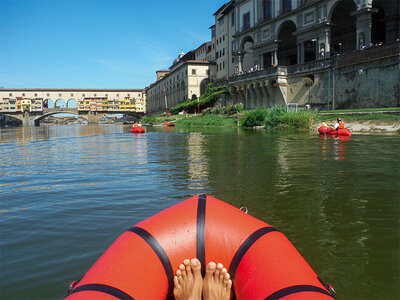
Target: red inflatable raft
pixel 140 264
pixel 328 131
pixel 138 130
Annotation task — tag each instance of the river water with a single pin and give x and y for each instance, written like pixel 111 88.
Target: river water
pixel 67 192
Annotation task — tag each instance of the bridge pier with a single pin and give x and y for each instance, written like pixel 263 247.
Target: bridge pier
pixel 28 121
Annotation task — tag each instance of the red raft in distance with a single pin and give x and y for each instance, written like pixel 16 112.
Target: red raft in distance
pixel 325 130
pixel 138 130
pixel 140 264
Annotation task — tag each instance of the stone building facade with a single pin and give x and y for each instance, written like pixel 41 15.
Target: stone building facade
pixel 325 53
pixel 293 51
pixel 187 78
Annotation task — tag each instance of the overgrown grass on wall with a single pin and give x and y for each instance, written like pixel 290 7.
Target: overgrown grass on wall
pixel 208 99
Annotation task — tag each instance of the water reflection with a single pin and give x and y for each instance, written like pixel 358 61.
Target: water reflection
pixel 334 146
pixel 197 160
pixel 26 134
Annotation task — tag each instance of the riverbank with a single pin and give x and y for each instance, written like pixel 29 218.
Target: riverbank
pixel 369 126
pixel 360 121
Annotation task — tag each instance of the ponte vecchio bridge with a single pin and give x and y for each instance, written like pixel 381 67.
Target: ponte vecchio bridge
pixel 32 105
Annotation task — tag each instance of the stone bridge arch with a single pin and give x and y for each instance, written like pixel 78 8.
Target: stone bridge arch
pixel 72 100
pixel 36 120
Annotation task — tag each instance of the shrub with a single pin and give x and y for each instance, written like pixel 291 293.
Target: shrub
pixel 233 109
pixel 274 116
pixel 255 118
pixel 278 117
pixel 301 119
pixel 148 120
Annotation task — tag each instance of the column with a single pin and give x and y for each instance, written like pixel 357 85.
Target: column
pixel 324 40
pixel 275 57
pixel 363 27
pixel 300 52
pixel 240 63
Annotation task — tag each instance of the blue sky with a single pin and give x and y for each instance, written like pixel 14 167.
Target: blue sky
pixel 96 43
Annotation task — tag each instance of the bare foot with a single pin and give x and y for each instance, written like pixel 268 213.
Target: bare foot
pixel 188 282
pixel 217 284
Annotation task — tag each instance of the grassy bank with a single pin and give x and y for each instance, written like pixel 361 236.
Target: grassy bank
pixel 279 118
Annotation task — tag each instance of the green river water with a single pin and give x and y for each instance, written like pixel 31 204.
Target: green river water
pixel 67 192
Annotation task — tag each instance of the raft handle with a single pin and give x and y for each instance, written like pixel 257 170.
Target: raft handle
pixel 244 209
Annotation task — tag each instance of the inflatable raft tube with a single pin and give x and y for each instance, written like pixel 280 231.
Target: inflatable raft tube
pixel 328 131
pixel 140 264
pixel 138 130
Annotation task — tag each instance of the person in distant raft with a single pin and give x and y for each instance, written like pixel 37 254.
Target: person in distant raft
pixel 338 125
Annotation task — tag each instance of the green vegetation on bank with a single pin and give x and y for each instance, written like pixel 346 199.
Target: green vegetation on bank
pixel 208 99
pixel 207 120
pixel 276 117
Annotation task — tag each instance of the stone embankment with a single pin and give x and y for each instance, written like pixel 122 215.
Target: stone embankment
pixel 368 127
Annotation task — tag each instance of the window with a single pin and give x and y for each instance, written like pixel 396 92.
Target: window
pixel 129 95
pixel 35 95
pixel 233 18
pixel 208 72
pixel 246 21
pixel 286 5
pixel 223 64
pixel 59 95
pixel 10 94
pixel 72 95
pixel 223 51
pixel 193 71
pixel 213 33
pixel 221 22
pixel 106 95
pixel 223 37
pixel 233 46
pixel 83 95
pixel 117 95
pixel 267 9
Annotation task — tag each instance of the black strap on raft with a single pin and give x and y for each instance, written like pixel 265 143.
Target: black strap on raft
pixel 201 232
pixel 297 289
pixel 158 249
pixel 110 290
pixel 245 246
